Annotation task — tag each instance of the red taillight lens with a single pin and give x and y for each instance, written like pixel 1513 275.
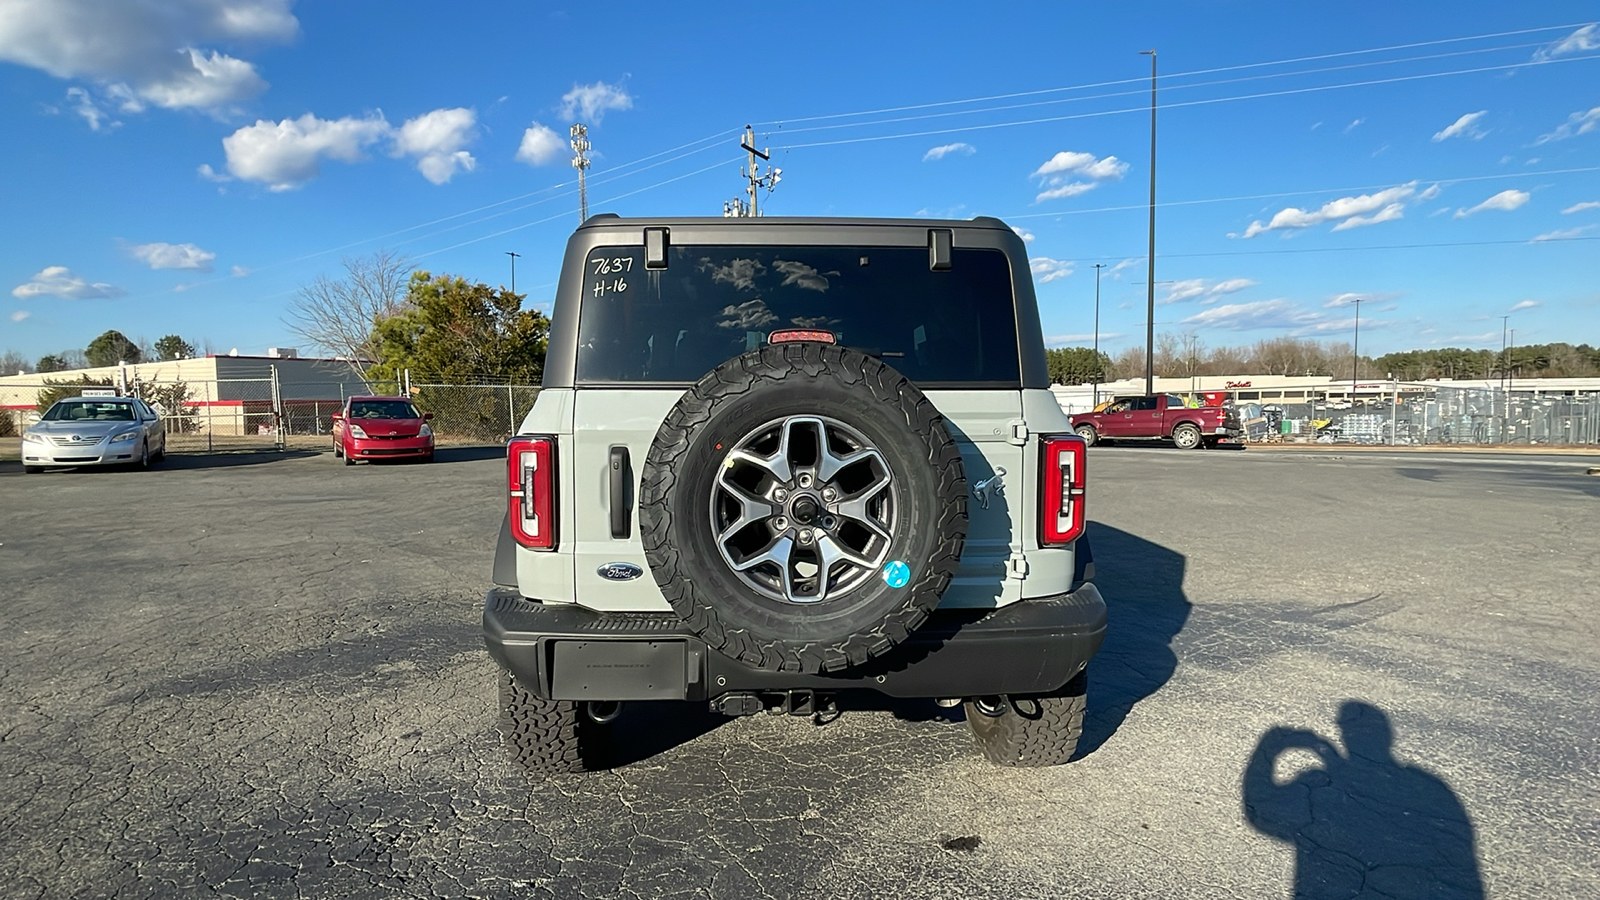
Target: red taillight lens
pixel 531 474
pixel 1061 513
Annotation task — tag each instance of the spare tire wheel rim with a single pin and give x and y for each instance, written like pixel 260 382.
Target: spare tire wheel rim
pixel 803 509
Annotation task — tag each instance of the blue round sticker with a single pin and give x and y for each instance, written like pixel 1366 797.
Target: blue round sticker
pixel 896 574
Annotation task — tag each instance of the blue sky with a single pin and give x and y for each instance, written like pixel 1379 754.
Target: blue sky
pixel 184 166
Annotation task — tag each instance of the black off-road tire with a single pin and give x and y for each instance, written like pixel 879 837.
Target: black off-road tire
pixel 1187 437
pixel 1088 433
pixel 727 404
pixel 1034 731
pixel 547 737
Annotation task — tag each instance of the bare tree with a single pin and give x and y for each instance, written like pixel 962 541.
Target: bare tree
pixel 338 315
pixel 14 363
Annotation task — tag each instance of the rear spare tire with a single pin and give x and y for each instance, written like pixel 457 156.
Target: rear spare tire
pixel 803 507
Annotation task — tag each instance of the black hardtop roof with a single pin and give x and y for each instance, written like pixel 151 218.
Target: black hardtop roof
pixel 602 220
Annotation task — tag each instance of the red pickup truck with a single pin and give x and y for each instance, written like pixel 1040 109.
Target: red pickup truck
pixel 1161 416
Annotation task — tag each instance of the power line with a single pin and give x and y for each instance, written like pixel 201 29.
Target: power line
pixel 1171 87
pixel 1085 259
pixel 1206 102
pixel 1273 196
pixel 1211 71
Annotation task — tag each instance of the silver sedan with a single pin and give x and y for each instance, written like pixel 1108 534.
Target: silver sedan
pixel 94 431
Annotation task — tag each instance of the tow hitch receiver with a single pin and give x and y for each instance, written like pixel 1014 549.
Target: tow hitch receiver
pixel 778 703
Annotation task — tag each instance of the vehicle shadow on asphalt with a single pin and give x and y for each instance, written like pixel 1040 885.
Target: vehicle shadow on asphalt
pixel 176 461
pixel 468 454
pixel 648 729
pixel 1360 821
pixel 1145 609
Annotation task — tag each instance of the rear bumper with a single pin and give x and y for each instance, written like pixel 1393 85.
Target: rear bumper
pixel 564 652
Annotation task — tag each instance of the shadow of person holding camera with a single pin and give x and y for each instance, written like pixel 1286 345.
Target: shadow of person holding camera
pixel 1362 823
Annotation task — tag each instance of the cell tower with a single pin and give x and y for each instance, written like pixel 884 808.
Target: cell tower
pixel 580 146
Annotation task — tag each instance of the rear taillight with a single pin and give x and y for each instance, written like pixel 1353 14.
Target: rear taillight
pixel 1061 500
pixel 531 474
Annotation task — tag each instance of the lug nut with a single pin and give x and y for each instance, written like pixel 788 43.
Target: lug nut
pixel 805 479
pixel 829 494
pixel 780 523
pixel 805 535
pixel 780 495
pixel 829 521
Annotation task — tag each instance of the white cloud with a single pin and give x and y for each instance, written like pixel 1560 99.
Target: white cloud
pixel 438 140
pixel 1580 207
pixel 1585 38
pixel 943 150
pixel 1466 126
pixel 1578 123
pixel 147 53
pixel 540 145
pixel 1025 234
pixel 1525 304
pixel 1057 171
pixel 285 155
pixel 1085 164
pixel 1057 340
pixel 1564 234
pixel 211 174
pixel 58 281
pixel 1353 126
pixel 1046 270
pixel 1069 189
pixel 1342 208
pixel 1387 214
pixel 239 271
pixel 1505 201
pixel 1433 191
pixel 84 105
pixel 1189 289
pixel 1277 313
pixel 19 315
pixel 590 102
pixel 173 256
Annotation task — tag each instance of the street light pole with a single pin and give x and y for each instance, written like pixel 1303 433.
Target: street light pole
pixel 1097 373
pixel 513 270
pixel 1355 354
pixel 1150 290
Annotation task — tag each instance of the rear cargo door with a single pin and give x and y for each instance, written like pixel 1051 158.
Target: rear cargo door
pixel 988 427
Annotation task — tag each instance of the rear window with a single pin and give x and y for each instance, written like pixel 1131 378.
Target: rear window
pixel 955 327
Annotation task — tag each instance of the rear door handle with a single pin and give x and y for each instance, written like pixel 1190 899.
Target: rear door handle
pixel 621 504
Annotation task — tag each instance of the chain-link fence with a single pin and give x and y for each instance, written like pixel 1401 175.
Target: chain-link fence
pixel 270 414
pixel 1425 414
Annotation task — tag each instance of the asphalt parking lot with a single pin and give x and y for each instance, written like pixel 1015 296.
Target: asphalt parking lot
pixel 262 676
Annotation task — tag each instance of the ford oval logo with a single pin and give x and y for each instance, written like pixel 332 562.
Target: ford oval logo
pixel 619 571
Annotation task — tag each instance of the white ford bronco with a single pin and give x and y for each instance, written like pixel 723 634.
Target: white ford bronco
pixel 777 463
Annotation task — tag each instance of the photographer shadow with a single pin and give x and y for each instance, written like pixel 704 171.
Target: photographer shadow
pixel 1362 823
pixel 1145 609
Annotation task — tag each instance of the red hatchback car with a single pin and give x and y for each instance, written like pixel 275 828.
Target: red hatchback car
pixel 381 428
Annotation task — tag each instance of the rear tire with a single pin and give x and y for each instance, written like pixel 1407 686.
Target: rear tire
pixel 547 737
pixel 1089 435
pixel 32 470
pixel 1186 436
pixel 1033 731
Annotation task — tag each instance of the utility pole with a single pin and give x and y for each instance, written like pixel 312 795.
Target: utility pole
pixel 1150 292
pixel 1355 353
pixel 1504 358
pixel 580 146
pixel 513 270
pixel 738 208
pixel 1097 268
